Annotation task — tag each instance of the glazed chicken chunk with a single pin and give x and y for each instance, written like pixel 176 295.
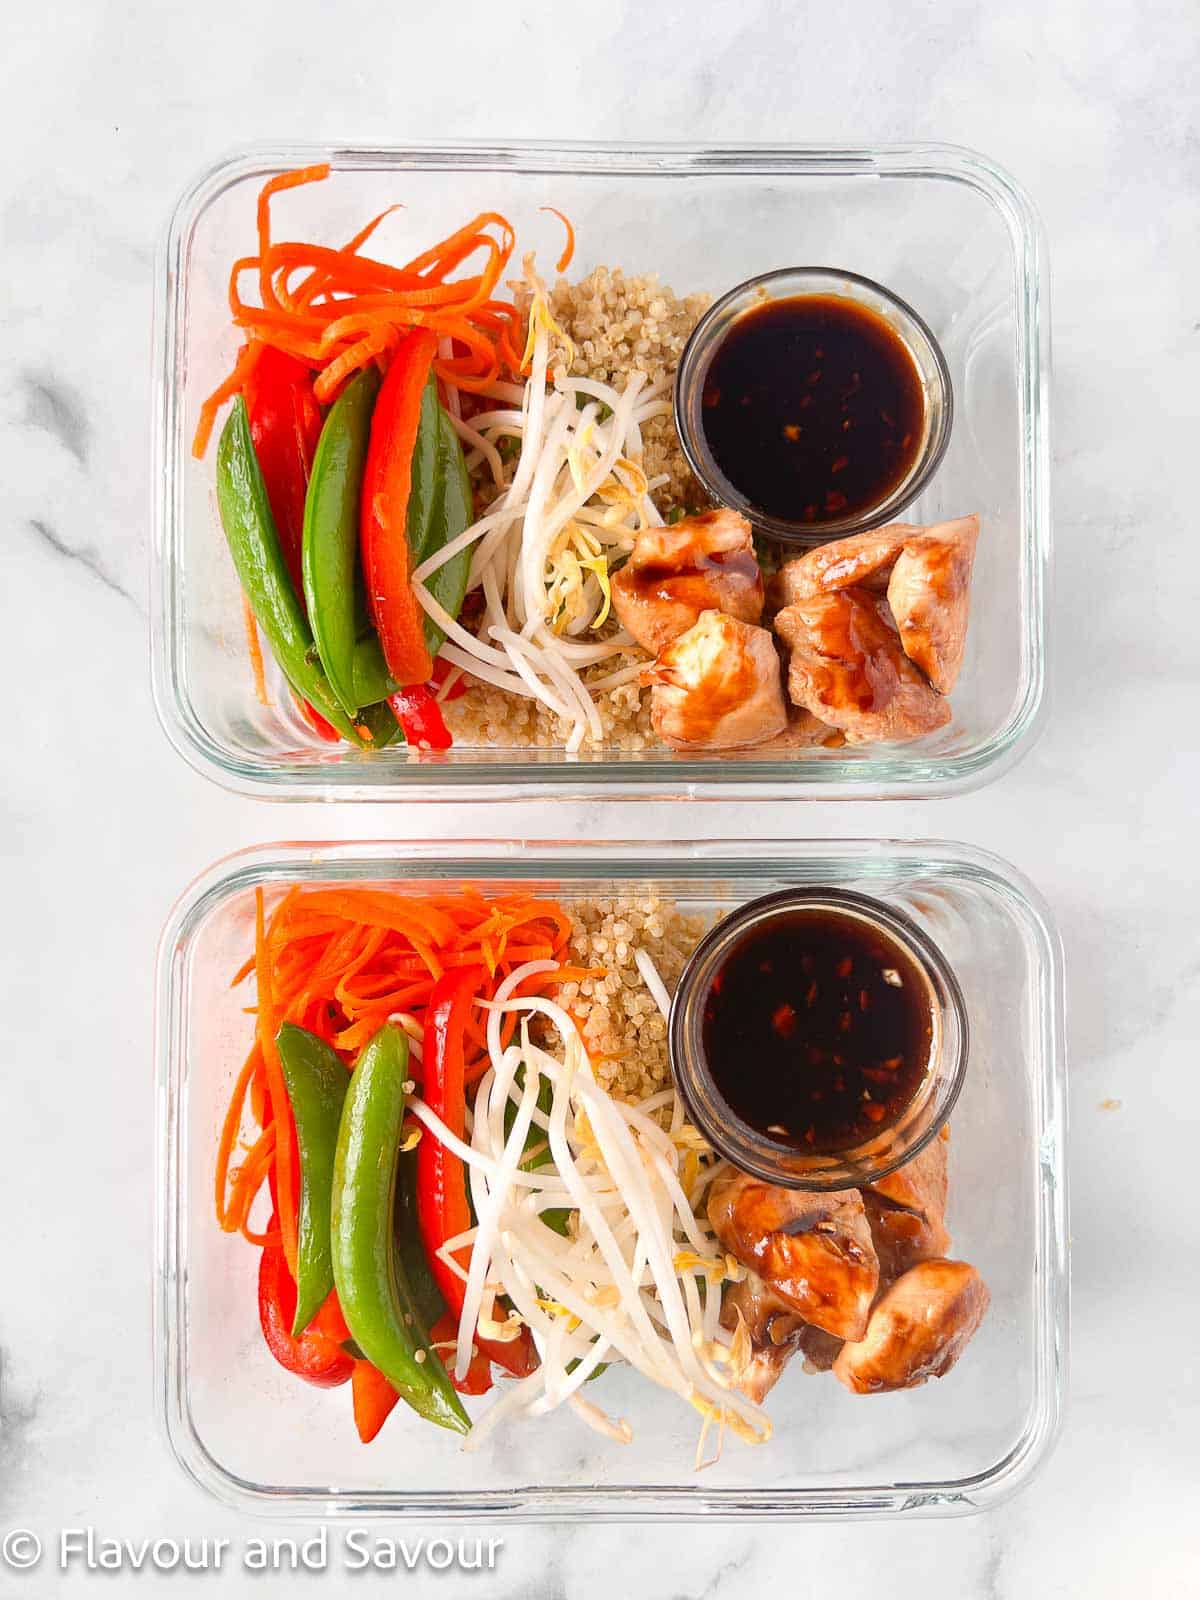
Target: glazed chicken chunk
pixel 915 1309
pixel 907 1211
pixel 776 1334
pixel 848 669
pixel 918 1328
pixel 774 1329
pixel 929 592
pixel 812 1250
pixel 718 686
pixel 926 572
pixel 704 563
pixel 860 561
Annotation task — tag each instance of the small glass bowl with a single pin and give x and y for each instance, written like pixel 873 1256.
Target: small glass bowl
pixel 775 1160
pixel 791 283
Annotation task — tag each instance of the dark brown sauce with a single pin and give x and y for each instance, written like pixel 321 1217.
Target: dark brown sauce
pixel 813 408
pixel 861 670
pixel 817 1030
pixel 695 583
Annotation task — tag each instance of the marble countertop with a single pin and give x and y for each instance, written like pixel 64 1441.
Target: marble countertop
pixel 105 112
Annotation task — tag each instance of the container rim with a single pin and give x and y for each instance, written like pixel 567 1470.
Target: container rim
pixel 914 776
pixel 806 860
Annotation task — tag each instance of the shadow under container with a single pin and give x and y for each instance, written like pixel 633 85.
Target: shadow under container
pixel 944 229
pixel 265 1442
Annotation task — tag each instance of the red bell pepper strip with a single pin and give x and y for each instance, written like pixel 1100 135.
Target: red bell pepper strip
pixel 322 729
pixel 419 714
pixel 317 1355
pixel 479 1374
pixel 443 1211
pixel 374 1400
pixel 441 671
pixel 285 424
pixel 387 480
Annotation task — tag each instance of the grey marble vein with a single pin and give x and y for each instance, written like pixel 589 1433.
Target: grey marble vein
pixel 55 407
pixel 90 559
pixel 718 1584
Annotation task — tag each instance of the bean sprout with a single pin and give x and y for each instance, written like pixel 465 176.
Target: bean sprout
pixel 543 552
pixel 637 1276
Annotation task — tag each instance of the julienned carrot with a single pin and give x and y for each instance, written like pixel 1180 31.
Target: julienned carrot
pixel 349 309
pixel 232 385
pixel 339 962
pixel 564 260
pixel 266 1026
pixel 229 1132
pixel 256 656
pixel 283 180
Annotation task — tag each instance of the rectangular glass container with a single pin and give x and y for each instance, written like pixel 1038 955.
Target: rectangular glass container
pixel 264 1441
pixel 944 228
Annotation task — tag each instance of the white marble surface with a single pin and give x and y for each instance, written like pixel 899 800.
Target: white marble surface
pixel 105 111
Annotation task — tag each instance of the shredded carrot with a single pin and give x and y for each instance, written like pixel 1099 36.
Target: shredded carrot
pixel 340 961
pixel 229 1130
pixel 242 367
pixel 250 1179
pixel 564 260
pixel 347 309
pixel 256 656
pixel 266 1026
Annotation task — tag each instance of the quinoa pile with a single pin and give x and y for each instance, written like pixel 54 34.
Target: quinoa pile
pixel 623 1029
pixel 618 324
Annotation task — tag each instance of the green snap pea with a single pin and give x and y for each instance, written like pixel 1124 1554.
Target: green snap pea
pixel 258 558
pixel 331 517
pixel 414 1263
pixel 372 680
pixel 316 1084
pixel 375 1296
pixel 424 487
pixel 448 585
pixel 380 721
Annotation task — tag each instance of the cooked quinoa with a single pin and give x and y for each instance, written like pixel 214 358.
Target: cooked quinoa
pixel 618 324
pixel 623 1029
pixel 491 716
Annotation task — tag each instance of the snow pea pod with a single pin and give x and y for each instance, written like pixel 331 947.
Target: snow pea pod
pixel 258 558
pixel 372 1288
pixel 427 1297
pixel 448 585
pixel 316 1084
pixel 330 554
pixel 371 678
pixel 380 721
pixel 424 492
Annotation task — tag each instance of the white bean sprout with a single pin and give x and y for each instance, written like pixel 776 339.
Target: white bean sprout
pixel 636 1274
pixel 545 548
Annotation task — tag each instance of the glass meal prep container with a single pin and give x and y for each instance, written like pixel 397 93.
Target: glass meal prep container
pixel 943 228
pixel 266 1442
